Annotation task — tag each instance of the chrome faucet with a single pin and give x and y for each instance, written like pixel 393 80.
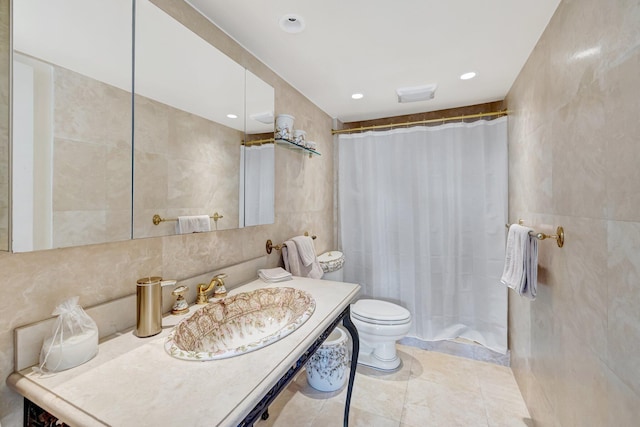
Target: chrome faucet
pixel 217 284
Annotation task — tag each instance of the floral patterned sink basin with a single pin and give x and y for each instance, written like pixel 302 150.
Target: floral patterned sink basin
pixel 240 324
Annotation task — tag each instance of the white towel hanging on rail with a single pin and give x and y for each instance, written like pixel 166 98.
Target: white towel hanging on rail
pixel 294 262
pixel 521 261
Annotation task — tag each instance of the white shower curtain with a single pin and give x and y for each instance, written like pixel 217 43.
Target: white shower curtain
pixel 422 213
pixel 258 184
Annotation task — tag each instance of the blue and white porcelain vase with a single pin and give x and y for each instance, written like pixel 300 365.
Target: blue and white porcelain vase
pixel 327 368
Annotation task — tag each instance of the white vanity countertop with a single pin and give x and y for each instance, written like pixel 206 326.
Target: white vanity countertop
pixel 134 382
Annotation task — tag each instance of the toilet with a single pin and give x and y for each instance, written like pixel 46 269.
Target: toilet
pixel 379 323
pixel 332 263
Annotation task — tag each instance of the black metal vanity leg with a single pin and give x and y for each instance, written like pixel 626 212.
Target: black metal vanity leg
pixel 265 415
pixel 355 347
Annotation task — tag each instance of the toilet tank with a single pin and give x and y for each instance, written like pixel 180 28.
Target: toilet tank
pixel 332 263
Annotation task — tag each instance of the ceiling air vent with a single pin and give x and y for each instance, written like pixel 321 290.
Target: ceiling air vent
pixel 416 93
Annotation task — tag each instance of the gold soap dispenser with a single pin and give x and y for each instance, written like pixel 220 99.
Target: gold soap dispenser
pixel 149 305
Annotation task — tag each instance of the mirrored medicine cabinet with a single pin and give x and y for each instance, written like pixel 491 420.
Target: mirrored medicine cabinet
pixel 114 123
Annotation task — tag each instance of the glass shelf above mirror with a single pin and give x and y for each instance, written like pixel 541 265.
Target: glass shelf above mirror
pixel 293 146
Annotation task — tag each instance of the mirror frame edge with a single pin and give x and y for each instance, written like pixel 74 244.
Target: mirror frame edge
pixel 8 8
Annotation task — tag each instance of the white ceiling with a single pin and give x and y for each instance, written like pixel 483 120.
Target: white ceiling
pixel 377 46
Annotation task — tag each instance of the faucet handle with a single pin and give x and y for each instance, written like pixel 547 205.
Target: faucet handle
pixel 179 291
pixel 220 291
pixel 180 306
pixel 202 294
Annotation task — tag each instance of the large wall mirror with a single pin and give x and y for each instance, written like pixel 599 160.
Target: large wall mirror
pixel 188 127
pixel 71 123
pixel 194 108
pixel 77 176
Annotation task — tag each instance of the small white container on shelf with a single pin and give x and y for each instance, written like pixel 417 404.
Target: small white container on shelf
pixel 299 137
pixel 284 127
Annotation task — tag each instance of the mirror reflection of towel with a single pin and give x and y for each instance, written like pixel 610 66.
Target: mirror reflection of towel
pixel 193 224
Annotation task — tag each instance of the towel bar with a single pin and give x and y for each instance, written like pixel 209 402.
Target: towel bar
pixel 559 236
pixel 157 219
pixel 270 246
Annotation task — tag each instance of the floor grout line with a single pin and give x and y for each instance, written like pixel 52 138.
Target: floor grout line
pixel 406 388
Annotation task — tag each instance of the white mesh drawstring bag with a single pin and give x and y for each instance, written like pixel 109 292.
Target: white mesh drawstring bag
pixel 73 339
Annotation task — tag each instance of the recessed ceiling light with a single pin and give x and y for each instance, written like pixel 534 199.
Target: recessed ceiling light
pixel 467 76
pixel 292 23
pixel 232 116
pixel 357 96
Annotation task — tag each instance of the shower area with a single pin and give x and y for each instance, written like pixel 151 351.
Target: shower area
pixel 421 221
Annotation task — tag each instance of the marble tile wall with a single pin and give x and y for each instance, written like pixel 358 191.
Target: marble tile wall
pixel 32 283
pixel 573 154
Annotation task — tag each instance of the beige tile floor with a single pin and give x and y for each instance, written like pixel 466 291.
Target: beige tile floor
pixel 430 389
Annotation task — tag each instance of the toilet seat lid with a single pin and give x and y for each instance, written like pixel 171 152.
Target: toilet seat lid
pixel 377 310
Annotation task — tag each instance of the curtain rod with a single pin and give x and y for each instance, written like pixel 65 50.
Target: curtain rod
pixel 259 142
pixel 420 122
